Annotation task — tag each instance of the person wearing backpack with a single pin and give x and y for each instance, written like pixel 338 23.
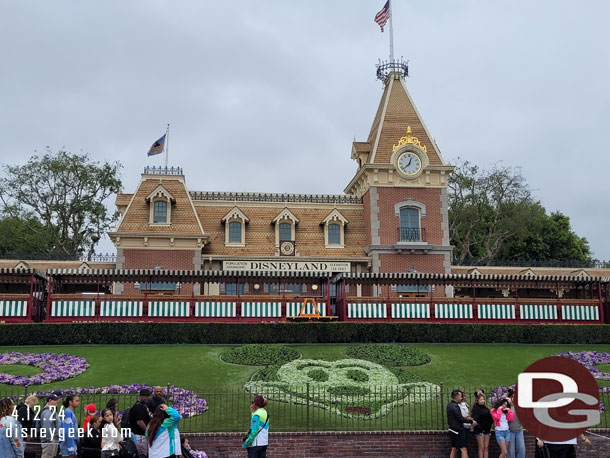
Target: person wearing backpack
pixel 49 427
pixel 258 436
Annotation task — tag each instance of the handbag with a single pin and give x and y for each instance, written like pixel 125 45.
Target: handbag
pixel 245 438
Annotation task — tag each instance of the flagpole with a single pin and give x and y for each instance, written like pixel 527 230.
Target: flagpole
pixel 391 35
pixel 166 144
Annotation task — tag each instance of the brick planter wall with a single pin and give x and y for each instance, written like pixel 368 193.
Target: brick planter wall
pixel 432 444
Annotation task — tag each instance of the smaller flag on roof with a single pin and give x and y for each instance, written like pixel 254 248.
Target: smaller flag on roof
pixel 382 17
pixel 157 147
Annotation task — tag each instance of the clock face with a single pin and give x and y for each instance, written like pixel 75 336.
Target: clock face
pixel 409 163
pixel 287 248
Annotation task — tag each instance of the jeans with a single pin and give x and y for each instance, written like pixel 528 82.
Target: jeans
pixel 260 451
pixel 516 448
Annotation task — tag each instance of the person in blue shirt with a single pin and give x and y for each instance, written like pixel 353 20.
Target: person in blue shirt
pixel 258 437
pixel 68 430
pixel 11 440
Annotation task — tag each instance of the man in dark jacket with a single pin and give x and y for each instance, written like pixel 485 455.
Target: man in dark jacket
pixel 456 421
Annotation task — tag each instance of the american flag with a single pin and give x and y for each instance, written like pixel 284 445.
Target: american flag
pixel 382 17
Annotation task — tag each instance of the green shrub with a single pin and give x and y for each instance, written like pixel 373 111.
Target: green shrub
pixel 389 355
pixel 404 376
pixel 348 390
pixel 343 332
pixel 357 376
pixel 267 374
pixel 260 355
pixel 318 375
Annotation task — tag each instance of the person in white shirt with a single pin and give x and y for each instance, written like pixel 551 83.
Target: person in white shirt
pixel 111 436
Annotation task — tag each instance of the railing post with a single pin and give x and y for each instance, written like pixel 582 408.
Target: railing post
pixel 442 426
pixel 168 391
pixel 307 394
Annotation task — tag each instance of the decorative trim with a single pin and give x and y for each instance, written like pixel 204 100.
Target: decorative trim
pixel 285 214
pixel 334 217
pixel 160 192
pixel 235 213
pixel 410 203
pixel 272 197
pixel 409 139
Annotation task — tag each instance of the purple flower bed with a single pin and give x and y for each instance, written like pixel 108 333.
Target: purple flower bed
pixel 55 367
pixel 186 402
pixel 590 359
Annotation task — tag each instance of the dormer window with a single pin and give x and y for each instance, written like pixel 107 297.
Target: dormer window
pixel 334 229
pixel 235 228
pixel 160 211
pixel 285 227
pixel 160 201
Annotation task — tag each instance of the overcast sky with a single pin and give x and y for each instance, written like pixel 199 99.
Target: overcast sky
pixel 269 95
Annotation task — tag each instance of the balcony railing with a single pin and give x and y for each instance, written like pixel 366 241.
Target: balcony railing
pixel 411 234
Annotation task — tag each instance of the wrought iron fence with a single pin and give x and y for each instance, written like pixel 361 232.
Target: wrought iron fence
pixel 98 257
pixel 411 234
pixel 592 264
pixel 309 407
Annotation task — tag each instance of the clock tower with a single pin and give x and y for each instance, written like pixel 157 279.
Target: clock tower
pixel 402 179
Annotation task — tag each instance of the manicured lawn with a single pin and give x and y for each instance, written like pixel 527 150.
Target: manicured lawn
pixel 198 367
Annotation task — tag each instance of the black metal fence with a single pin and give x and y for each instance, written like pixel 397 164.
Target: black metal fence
pixel 310 407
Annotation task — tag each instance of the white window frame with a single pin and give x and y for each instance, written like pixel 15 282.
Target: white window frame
pixel 334 217
pixel 160 194
pixel 235 215
pixel 285 216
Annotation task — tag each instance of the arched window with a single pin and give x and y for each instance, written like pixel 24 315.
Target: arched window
pixel 334 234
pixel 235 232
pixel 285 231
pixel 409 225
pixel 160 211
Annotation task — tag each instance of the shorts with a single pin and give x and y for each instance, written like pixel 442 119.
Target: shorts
pixel 483 434
pixel 502 435
pixel 458 440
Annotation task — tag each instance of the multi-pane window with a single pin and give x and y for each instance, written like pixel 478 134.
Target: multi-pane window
pixel 160 211
pixel 334 234
pixel 234 232
pixel 285 231
pixel 231 289
pixel 409 225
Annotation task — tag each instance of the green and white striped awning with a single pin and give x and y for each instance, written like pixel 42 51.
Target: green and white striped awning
pixel 13 308
pixel 121 308
pixel 215 309
pixel 459 311
pixel 580 312
pixel 497 311
pixel 169 308
pixel 364 310
pixel 538 312
pixel 72 308
pixel 294 308
pixel 410 310
pixel 261 309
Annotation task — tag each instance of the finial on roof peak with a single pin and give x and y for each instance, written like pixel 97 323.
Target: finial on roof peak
pixel 386 68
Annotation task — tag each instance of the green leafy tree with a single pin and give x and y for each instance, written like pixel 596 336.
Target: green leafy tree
pixel 492 215
pixel 24 236
pixel 66 193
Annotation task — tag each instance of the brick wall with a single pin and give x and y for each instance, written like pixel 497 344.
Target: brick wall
pixel 433 444
pixel 167 259
pixel 389 222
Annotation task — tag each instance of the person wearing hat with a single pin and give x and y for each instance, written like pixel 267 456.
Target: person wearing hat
pixel 49 427
pixel 139 417
pixel 90 409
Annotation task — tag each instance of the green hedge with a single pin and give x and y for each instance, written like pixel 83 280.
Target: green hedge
pixel 245 333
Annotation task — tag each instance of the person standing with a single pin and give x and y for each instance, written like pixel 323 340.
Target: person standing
pixel 49 427
pixel 456 422
pixel 92 441
pixel 90 409
pixel 482 432
pixel 27 416
pixel 111 436
pixel 516 446
pixel 466 414
pixel 258 438
pixel 162 434
pixel 563 449
pixel 157 399
pixel 502 414
pixel 68 429
pixel 139 417
pixel 11 442
pixel 113 405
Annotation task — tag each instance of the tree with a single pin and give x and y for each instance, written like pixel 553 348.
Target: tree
pixel 24 236
pixel 492 215
pixel 66 193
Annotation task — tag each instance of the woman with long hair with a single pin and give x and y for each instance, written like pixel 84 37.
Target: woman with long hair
pixel 11 442
pixel 258 436
pixel 111 436
pixel 68 430
pixel 501 415
pixel 162 433
pixel 113 405
pixel 482 431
